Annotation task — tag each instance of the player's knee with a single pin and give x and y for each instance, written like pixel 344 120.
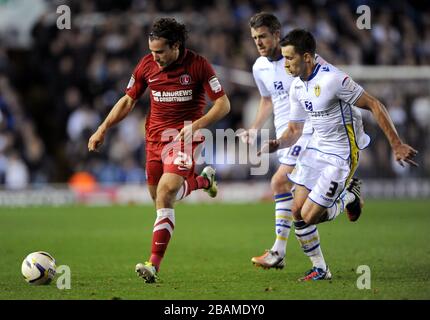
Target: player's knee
pixel 280 184
pixel 165 193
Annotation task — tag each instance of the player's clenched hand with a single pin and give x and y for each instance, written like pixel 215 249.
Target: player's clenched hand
pixel 96 140
pixel 269 147
pixel 248 136
pixel 186 134
pixel 404 152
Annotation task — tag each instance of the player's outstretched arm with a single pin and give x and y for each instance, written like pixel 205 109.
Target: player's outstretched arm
pixel 120 110
pixel 218 111
pixel 402 151
pixel 265 109
pixel 288 138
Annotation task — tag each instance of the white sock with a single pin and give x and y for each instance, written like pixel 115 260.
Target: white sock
pixel 348 197
pixel 283 221
pixel 339 206
pixel 309 240
pixel 162 214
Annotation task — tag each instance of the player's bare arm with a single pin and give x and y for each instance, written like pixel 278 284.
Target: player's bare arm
pixel 265 109
pixel 219 110
pixel 402 151
pixel 120 110
pixel 288 138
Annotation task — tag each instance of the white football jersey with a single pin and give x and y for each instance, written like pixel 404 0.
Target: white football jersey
pixel 273 81
pixel 327 98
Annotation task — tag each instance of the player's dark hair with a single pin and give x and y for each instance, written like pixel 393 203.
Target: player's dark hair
pixel 171 30
pixel 302 40
pixel 265 19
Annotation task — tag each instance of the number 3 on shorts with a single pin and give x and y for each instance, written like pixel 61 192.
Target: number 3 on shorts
pixel 331 192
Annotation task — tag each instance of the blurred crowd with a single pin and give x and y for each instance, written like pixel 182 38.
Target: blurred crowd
pixel 55 93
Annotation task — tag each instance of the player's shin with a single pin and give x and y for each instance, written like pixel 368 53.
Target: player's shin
pixel 283 221
pixel 309 240
pixel 162 232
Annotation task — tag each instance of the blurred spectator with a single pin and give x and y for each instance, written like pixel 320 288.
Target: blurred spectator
pixel 55 92
pixel 17 175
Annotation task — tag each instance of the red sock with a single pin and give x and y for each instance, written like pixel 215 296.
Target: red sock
pixel 163 230
pixel 196 182
pixel 190 184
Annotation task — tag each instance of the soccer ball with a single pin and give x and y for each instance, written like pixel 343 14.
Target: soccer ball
pixel 38 268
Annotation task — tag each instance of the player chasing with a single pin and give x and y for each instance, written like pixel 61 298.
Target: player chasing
pixel 178 79
pixel 274 83
pixel 328 96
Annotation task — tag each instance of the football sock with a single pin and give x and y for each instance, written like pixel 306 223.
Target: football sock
pixel 162 232
pixel 339 206
pixel 309 240
pixel 283 221
pixel 190 184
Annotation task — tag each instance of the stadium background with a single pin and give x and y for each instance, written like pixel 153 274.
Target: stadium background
pixel 57 85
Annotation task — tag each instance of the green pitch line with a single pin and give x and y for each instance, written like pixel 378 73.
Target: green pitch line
pixel 209 255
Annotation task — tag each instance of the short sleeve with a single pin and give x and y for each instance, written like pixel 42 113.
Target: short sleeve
pixel 260 84
pixel 137 84
pixel 211 83
pixel 347 89
pixel 297 112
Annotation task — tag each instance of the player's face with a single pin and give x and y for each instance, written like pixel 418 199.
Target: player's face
pixel 163 54
pixel 267 43
pixel 294 63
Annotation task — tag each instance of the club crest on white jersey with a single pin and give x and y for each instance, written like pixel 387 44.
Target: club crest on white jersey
pixel 327 98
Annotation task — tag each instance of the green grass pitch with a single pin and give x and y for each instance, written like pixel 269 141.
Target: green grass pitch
pixel 209 255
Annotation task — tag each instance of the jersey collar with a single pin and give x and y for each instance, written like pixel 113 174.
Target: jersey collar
pixel 276 59
pixel 314 72
pixel 181 57
pixel 178 61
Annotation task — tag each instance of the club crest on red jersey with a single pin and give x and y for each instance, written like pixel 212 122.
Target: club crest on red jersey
pixel 185 79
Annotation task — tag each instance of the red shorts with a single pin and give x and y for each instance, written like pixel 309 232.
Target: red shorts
pixel 171 157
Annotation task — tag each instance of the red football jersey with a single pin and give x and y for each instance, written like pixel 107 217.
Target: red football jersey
pixel 177 91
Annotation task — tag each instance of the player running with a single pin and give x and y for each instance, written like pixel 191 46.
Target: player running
pixel 328 96
pixel 178 79
pixel 274 83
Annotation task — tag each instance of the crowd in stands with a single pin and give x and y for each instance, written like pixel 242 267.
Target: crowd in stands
pixel 55 93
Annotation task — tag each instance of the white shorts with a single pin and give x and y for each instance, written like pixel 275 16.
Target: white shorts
pixel 289 156
pixel 325 175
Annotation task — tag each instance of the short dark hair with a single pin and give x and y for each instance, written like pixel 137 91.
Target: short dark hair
pixel 265 19
pixel 302 40
pixel 169 29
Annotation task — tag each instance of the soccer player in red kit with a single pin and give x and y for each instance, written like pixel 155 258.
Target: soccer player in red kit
pixel 178 79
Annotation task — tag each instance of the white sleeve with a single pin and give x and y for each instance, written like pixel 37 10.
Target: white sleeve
pixel 260 84
pixel 297 112
pixel 347 89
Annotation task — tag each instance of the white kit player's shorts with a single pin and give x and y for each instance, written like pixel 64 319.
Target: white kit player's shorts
pixel 289 156
pixel 324 174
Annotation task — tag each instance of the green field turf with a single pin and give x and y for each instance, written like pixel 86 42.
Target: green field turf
pixel 209 255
